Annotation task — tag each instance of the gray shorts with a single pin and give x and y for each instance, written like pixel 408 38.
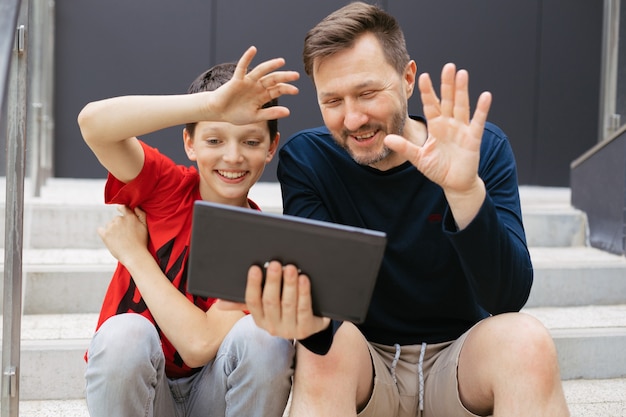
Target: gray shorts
pixel 399 374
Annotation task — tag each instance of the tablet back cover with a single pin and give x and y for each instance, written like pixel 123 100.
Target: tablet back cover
pixel 342 262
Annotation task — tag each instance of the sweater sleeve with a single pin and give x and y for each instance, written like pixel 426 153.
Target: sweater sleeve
pixel 320 342
pixel 492 249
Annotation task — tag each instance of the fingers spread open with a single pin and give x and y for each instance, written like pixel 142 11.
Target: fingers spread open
pixel 403 147
pixel 480 114
pixel 265 68
pixel 461 97
pixel 280 78
pixel 244 62
pixel 280 89
pixel 448 79
pixel 274 112
pixel 429 97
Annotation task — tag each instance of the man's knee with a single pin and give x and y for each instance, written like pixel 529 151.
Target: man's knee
pixel 348 354
pixel 520 341
pixel 528 337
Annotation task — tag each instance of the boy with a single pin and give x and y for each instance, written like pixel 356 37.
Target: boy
pixel 159 350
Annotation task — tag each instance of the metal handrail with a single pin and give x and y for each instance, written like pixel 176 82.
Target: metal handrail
pixel 14 90
pixel 609 120
pixel 26 89
pixel 9 10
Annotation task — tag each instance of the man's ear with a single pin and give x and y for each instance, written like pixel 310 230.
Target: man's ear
pixel 188 144
pixel 410 75
pixel 273 148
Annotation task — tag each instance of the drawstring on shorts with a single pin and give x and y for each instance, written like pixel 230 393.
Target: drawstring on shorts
pixel 420 372
pixel 394 363
pixel 420 369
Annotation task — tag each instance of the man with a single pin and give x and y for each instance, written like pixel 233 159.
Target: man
pixel 443 336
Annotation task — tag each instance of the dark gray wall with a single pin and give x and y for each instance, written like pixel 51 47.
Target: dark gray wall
pixel 539 58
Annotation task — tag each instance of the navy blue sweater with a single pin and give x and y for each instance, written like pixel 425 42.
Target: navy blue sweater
pixel 435 282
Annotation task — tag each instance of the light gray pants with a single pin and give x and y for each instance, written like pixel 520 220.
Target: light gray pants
pixel 250 376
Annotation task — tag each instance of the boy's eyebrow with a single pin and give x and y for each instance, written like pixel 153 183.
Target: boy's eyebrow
pixel 217 129
pixel 255 130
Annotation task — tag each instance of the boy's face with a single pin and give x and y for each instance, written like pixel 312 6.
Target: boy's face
pixel 363 99
pixel 230 158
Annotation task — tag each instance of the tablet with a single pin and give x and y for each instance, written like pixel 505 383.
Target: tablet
pixel 342 262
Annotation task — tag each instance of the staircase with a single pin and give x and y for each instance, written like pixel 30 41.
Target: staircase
pixel 579 294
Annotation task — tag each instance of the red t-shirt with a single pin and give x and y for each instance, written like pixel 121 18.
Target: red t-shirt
pixel 166 192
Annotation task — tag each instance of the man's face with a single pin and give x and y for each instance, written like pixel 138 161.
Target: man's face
pixel 363 99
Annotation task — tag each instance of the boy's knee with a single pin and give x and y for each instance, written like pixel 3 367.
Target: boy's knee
pixel 123 341
pixel 251 343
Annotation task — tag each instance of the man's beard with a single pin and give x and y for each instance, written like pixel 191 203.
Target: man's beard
pixel 397 128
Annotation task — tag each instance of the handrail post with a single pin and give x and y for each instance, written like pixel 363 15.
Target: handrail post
pixel 609 120
pixel 14 213
pixel 40 80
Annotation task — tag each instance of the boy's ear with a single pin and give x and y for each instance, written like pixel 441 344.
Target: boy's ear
pixel 273 148
pixel 188 144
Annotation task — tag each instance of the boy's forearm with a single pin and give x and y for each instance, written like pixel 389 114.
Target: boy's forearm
pixel 119 118
pixel 196 337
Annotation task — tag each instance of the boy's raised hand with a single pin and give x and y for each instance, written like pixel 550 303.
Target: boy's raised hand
pixel 240 101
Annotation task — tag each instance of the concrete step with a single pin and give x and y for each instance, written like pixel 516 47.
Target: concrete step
pixel 52 350
pixel 577 276
pixel 555 227
pixel 65 281
pixel 57 224
pixel 549 218
pixel 579 293
pixel 590 340
pixel 586 398
pixel 68 212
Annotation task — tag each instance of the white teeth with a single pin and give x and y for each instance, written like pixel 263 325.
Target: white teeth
pixel 367 136
pixel 232 175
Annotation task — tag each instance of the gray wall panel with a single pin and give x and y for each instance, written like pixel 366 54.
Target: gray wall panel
pixel 569 82
pixel 496 42
pixel 540 59
pixel 118 47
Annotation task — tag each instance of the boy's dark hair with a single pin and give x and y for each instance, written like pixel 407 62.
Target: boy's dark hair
pixel 215 77
pixel 339 30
